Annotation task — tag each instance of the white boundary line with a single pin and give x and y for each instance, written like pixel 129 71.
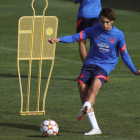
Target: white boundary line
pixel 58 58
pixel 10 49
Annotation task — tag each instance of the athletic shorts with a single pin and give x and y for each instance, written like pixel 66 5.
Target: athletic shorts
pixel 83 23
pixel 89 72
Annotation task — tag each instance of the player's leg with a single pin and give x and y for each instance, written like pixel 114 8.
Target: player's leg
pixel 92 93
pixel 83 85
pixel 86 93
pixel 85 23
pixel 83 90
pixel 82 23
pixel 82 50
pixel 100 76
pixel 94 21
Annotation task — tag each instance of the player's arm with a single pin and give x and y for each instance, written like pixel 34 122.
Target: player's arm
pixel 128 62
pixel 71 38
pixel 125 56
pixel 53 40
pixel 126 59
pixel 137 72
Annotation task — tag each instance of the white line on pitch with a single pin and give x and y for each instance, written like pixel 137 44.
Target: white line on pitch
pixel 58 58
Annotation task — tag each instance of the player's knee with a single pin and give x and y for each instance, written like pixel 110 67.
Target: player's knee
pixel 93 90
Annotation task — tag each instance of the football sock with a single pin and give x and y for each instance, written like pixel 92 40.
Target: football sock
pixel 88 105
pixel 93 121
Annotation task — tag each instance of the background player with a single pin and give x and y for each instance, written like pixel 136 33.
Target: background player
pixel 88 16
pixel 106 41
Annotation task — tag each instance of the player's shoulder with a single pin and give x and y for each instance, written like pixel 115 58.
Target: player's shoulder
pixel 118 31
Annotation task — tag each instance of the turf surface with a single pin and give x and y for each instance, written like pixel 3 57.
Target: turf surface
pixel 117 104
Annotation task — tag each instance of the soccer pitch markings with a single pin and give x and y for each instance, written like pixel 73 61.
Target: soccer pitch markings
pixel 58 58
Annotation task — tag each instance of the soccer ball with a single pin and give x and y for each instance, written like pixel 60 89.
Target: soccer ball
pixel 49 128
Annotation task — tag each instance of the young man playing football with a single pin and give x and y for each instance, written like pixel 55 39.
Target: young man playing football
pixel 106 42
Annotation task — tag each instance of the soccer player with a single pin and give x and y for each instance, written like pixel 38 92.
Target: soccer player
pixel 106 42
pixel 88 16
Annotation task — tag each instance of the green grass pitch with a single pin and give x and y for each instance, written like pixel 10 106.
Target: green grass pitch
pixel 118 102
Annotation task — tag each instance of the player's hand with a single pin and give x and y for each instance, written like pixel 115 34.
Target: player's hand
pixel 53 40
pixel 137 72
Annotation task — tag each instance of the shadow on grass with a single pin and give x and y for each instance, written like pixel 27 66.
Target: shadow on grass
pixel 38 136
pixel 35 136
pixel 35 128
pixel 21 126
pixel 24 126
pixel 25 76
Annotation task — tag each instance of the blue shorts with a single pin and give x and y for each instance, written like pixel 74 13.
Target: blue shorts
pixel 89 72
pixel 83 23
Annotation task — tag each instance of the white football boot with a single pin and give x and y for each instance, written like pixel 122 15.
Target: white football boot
pixel 93 132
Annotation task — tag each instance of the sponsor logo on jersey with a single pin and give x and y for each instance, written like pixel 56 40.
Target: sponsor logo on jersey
pixel 103 47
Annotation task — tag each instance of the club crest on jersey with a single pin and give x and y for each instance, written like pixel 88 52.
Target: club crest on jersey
pixel 112 40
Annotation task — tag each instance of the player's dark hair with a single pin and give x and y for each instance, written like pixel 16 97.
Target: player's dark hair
pixel 107 13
